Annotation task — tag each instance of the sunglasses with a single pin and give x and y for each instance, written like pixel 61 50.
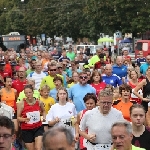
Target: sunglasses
pixel 83 77
pixel 53 70
pixel 59 67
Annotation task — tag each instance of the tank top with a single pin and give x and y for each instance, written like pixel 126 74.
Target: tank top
pixel 32 112
pixel 133 97
pixel 8 97
pixel 81 138
pixel 146 92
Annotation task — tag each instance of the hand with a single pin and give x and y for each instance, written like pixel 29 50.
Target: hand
pixel 26 120
pixel 43 120
pixel 57 120
pixel 145 99
pixel 91 137
pixel 76 138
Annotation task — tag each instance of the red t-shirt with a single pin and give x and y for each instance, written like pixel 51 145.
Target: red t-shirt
pixel 127 58
pixel 32 111
pixel 99 64
pixel 19 85
pixel 98 87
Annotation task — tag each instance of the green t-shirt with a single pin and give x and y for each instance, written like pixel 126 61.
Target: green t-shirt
pixel 71 55
pixel 29 71
pixel 94 60
pixel 49 81
pixel 36 94
pixel 136 148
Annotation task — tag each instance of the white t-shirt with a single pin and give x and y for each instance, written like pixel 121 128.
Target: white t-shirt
pixel 6 110
pixel 100 125
pixel 37 77
pixel 64 113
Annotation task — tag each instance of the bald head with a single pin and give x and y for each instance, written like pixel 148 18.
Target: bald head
pixel 21 69
pixel 119 60
pixel 21 73
pixel 108 69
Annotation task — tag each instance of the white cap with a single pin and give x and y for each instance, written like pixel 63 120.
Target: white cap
pixel 125 49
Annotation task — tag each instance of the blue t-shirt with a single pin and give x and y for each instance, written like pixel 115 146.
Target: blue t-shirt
pixel 113 80
pixel 120 71
pixel 139 61
pixel 77 93
pixel 143 68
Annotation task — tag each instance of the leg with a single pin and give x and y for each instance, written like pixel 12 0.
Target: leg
pixel 15 124
pixel 38 143
pixel 29 146
pixel 45 128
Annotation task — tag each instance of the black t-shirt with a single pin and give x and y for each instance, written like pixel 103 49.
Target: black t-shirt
pixel 144 140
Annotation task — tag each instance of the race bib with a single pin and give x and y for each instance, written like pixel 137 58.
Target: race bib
pixel 34 117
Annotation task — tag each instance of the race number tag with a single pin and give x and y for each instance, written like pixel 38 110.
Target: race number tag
pixel 34 117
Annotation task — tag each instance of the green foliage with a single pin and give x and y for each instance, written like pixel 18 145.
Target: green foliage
pixel 74 18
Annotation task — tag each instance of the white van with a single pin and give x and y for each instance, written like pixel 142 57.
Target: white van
pixel 92 47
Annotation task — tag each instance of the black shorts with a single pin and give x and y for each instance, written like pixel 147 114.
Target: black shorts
pixel 29 135
pixel 15 115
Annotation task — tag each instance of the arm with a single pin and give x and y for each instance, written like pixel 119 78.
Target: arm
pixel 138 87
pixel 43 110
pixel 77 126
pixel 50 118
pixel 119 81
pixel 148 115
pixel 20 106
pixel 83 127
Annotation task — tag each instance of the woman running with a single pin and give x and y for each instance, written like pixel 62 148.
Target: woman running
pixel 28 114
pixel 90 101
pixel 141 134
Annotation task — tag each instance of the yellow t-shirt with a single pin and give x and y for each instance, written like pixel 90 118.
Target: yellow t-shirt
pixel 70 85
pixel 48 102
pixel 49 81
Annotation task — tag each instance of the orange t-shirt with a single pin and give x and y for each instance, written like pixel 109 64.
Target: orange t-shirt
pixel 44 61
pixel 124 108
pixel 8 98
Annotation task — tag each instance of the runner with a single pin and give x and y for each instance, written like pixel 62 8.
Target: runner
pixel 28 114
pixel 141 134
pixel 96 122
pixel 90 101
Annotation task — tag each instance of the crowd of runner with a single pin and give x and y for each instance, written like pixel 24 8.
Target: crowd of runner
pixel 88 94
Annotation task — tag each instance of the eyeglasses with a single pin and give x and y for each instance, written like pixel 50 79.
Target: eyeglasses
pixel 52 69
pixel 59 67
pixel 5 136
pixel 106 103
pixel 83 77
